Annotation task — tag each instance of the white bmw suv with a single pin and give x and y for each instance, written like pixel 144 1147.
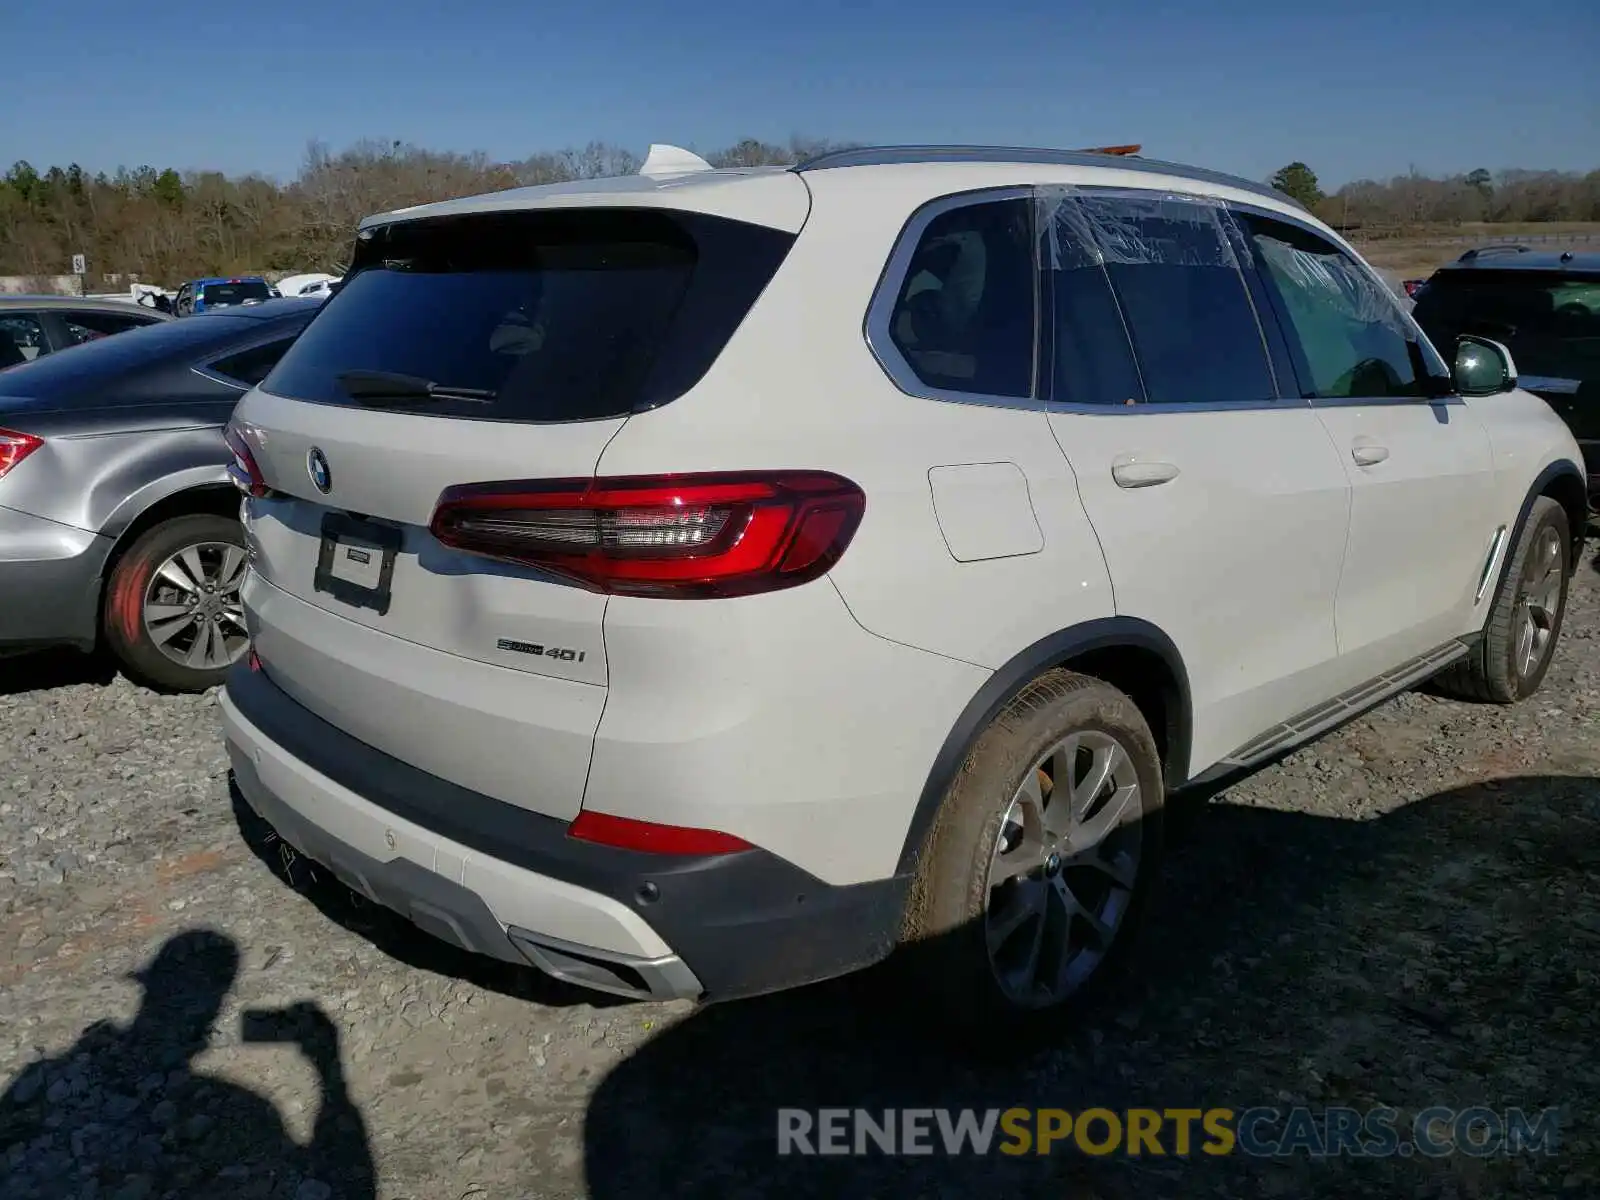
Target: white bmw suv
pixel 704 582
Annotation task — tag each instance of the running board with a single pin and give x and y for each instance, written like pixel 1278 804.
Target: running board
pixel 1345 707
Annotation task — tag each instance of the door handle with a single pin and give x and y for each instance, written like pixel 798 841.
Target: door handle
pixel 1131 473
pixel 1369 456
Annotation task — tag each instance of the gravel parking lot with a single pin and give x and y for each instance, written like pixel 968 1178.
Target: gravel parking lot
pixel 1405 914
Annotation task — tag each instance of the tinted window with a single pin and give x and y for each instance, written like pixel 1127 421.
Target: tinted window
pixel 1093 360
pixel 1549 321
pixel 964 318
pixel 110 357
pixel 1182 297
pixel 1348 333
pixel 214 295
pixel 551 316
pixel 21 339
pixel 87 326
pixel 253 365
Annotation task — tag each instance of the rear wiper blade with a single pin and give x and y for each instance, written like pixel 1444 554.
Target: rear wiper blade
pixel 373 386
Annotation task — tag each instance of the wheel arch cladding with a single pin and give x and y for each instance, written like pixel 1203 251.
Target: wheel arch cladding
pixel 1131 655
pixel 1562 483
pixel 206 499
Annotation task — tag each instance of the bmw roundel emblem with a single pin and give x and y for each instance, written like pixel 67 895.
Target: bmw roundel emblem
pixel 317 467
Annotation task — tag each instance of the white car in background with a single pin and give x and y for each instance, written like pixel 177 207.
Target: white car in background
pixel 313 285
pixel 702 583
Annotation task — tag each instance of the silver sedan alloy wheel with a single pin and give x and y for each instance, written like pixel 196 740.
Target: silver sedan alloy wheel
pixel 192 609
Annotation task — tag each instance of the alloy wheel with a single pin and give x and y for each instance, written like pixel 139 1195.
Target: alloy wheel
pixel 1539 604
pixel 192 608
pixel 1063 870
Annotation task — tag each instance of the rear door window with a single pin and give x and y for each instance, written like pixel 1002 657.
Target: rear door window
pixel 1092 357
pixel 21 339
pixel 964 318
pixel 87 326
pixel 563 315
pixel 1185 304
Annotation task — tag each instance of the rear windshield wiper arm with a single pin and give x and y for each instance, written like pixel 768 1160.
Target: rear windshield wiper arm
pixel 377 386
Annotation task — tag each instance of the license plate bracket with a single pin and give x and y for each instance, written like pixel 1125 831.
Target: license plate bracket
pixel 355 562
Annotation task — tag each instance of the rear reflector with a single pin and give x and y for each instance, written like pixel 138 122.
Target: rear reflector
pixel 625 833
pixel 14 447
pixel 680 536
pixel 242 470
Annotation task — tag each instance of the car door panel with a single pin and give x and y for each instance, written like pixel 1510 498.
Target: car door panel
pixel 1419 464
pixel 1420 527
pixel 1221 508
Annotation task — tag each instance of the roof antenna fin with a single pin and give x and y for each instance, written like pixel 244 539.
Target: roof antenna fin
pixel 665 162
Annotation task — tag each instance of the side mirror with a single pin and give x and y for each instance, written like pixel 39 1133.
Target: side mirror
pixel 1483 368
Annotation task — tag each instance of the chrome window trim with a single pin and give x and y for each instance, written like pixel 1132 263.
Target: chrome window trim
pixel 1145 408
pixel 880 309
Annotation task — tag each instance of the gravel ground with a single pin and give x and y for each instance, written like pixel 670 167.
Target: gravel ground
pixel 1405 914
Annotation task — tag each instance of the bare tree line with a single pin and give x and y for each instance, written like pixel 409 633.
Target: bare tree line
pixel 167 226
pixel 161 225
pixel 1415 203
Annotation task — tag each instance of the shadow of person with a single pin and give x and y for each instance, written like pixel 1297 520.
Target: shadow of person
pixel 123 1113
pixel 1441 955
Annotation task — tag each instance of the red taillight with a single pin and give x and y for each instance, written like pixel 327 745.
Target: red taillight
pixel 628 834
pixel 254 660
pixel 242 470
pixel 14 447
pixel 1411 286
pixel 667 535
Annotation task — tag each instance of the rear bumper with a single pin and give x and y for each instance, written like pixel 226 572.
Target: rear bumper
pixel 500 880
pixel 49 581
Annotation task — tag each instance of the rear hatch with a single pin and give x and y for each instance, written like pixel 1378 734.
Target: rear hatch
pixel 491 346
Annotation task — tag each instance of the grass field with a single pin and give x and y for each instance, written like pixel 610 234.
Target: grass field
pixel 1415 253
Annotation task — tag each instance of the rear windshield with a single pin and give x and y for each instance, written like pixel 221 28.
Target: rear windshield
pixel 544 316
pixel 1550 321
pixel 234 293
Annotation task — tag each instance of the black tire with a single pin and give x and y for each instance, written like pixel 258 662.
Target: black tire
pixel 1495 672
pixel 946 947
pixel 123 618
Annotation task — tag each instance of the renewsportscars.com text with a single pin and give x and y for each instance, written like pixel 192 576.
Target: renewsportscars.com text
pixel 1258 1132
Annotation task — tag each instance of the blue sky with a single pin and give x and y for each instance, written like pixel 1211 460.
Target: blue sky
pixel 1356 89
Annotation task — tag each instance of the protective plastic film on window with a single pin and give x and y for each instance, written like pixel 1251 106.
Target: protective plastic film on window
pixel 1134 228
pixel 1335 281
pixel 1150 303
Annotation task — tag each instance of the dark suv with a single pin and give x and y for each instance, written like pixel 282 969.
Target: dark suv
pixel 1545 307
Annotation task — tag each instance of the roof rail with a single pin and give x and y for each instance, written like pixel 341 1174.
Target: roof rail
pixel 1501 248
pixel 1120 157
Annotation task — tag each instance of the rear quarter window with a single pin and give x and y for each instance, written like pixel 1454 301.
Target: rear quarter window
pixel 535 316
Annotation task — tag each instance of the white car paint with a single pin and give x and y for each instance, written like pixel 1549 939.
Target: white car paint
pixel 806 721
